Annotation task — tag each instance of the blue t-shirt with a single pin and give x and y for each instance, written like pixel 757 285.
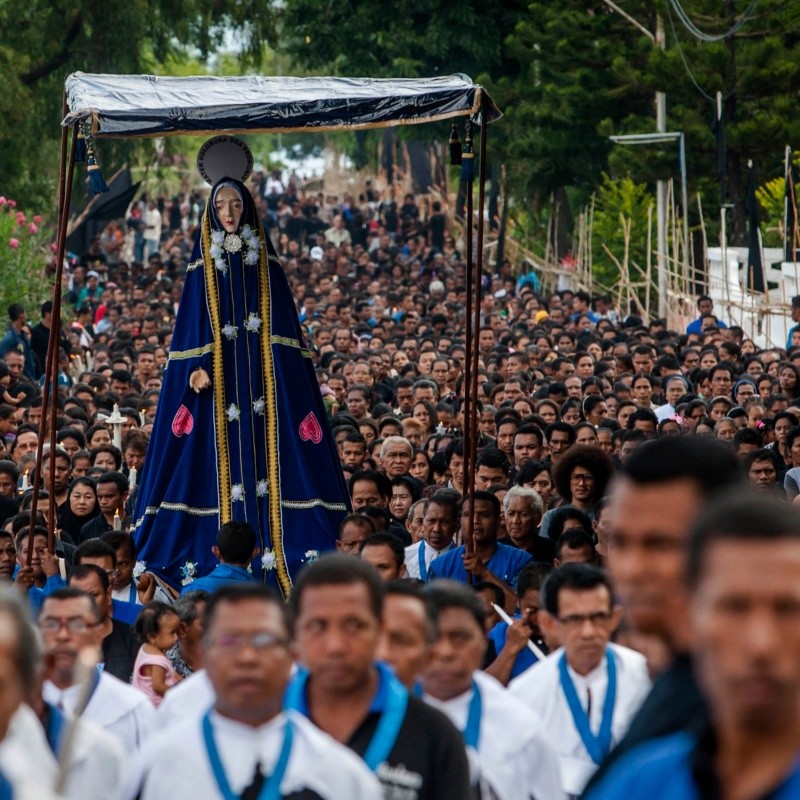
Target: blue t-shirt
pixel 222 575
pixel 662 770
pixel 505 564
pixel 525 658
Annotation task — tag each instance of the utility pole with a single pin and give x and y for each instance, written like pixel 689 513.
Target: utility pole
pixel 659 40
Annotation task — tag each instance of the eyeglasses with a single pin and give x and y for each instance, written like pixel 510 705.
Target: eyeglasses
pixel 582 478
pixel 73 625
pixel 598 619
pixel 260 641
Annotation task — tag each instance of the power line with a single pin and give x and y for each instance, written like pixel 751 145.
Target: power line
pixel 707 37
pixel 685 62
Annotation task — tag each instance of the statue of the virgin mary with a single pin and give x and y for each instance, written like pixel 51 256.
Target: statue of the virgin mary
pixel 241 431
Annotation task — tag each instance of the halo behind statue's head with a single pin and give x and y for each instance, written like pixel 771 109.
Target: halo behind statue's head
pixel 224 157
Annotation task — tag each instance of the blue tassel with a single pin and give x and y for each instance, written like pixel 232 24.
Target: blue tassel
pixel 467 167
pixel 80 147
pixel 95 176
pixel 455 146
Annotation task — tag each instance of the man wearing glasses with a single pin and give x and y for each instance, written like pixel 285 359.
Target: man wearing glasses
pixel 246 745
pixel 70 626
pixel 588 690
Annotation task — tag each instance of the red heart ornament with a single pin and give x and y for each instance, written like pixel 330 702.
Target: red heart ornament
pixel 310 429
pixel 183 422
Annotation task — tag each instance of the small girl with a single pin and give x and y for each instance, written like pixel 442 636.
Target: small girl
pixel 5 383
pixel 157 629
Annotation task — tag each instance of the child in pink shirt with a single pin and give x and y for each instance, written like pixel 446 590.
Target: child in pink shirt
pixel 157 629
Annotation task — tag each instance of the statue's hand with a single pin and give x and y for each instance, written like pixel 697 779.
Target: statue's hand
pixel 199 380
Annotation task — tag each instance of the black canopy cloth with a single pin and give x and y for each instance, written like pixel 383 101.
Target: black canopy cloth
pixel 146 105
pixel 135 106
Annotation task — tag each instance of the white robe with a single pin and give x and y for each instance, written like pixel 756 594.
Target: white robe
pixel 514 757
pixel 540 689
pixel 191 698
pixel 116 707
pixel 412 557
pixel 175 763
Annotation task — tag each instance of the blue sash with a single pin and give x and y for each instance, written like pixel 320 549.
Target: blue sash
pixel 271 790
pixel 472 732
pixel 597 746
pixel 423 570
pixel 392 716
pixel 6 789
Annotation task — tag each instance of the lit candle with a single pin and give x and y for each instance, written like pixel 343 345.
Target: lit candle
pixel 26 484
pixel 132 479
pixel 117 521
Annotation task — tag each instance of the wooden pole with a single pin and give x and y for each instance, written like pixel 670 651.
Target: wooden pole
pixel 472 334
pixel 51 367
pixel 472 431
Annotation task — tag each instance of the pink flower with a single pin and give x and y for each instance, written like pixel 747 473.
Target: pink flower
pixel 13 243
pixel 12 203
pixel 38 220
pixel 3 201
pixel 54 247
pixel 32 228
pixel 20 218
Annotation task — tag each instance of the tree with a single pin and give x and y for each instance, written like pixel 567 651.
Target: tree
pixel 44 40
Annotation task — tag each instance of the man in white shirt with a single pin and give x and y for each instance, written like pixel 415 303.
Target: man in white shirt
pixel 587 691
pixel 246 745
pixel 439 525
pixel 70 623
pixel 510 757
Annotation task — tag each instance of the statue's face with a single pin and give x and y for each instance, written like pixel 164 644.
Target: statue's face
pixel 229 207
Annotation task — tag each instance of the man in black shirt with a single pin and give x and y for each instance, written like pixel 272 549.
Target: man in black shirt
pixel 112 491
pixel 414 750
pixel 120 646
pixel 663 486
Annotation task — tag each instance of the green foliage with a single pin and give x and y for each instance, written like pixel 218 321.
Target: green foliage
pixel 24 254
pixel 771 197
pixel 619 200
pixel 44 40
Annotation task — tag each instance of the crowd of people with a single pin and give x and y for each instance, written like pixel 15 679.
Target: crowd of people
pixel 624 622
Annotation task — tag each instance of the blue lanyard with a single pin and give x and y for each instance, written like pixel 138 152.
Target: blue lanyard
pixel 55 726
pixel 423 570
pixel 597 746
pixel 271 790
pixel 392 716
pixel 132 594
pixel 472 732
pixel 6 789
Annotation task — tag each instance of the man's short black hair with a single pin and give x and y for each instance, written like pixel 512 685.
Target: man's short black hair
pixel 574 538
pixel 532 576
pixel 743 515
pixel 334 569
pixel 709 463
pixel 72 593
pixel 378 478
pixel 119 539
pixel 236 542
pixel 117 478
pixel 562 427
pixel 444 594
pixel 488 497
pixel 238 593
pixel 359 519
pixel 415 589
pixel 764 454
pixel 494 458
pixel 578 577
pixel 94 548
pixel 391 541
pixel 83 571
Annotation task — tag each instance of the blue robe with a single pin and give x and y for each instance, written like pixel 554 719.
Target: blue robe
pixel 255 447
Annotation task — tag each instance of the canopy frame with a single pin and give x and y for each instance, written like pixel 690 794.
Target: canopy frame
pixel 472 102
